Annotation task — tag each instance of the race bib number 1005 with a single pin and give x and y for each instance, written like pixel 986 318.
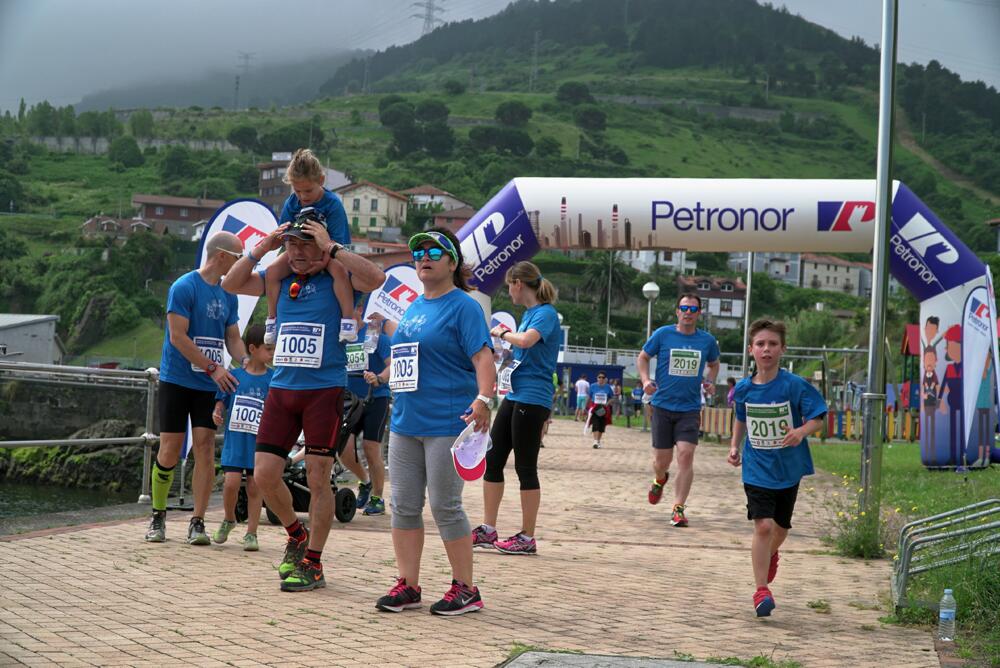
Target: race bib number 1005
pixel 245 415
pixel 767 424
pixel 404 367
pixel 300 344
pixel 211 348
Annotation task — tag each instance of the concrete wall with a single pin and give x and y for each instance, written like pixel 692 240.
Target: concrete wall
pixel 99 145
pixel 36 341
pixel 34 411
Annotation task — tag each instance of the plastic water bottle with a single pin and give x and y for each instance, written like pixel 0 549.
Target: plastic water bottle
pixel 946 617
pixel 371 336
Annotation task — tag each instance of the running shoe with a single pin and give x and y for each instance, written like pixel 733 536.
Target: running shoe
pixel 364 491
pixel 678 519
pixel 772 570
pixel 294 553
pixel 458 600
pixel 157 532
pixel 763 602
pixel 597 445
pixel 656 489
pixel 250 543
pixel 221 535
pixel 376 506
pixel 270 331
pixel 517 544
pixel 401 597
pixel 483 539
pixel 308 575
pixel 196 532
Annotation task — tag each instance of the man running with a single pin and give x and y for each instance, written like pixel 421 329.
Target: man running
pixel 201 319
pixel 683 352
pixel 307 389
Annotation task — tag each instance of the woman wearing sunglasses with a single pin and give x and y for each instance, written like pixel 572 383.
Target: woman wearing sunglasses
pixel 525 410
pixel 442 375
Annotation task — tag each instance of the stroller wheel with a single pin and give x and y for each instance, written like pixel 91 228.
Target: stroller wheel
pixel 271 517
pixel 345 505
pixel 242 511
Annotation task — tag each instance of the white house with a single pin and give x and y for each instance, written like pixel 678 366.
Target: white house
pixel 30 338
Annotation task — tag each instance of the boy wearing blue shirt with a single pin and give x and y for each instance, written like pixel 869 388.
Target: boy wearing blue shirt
pixel 600 395
pixel 775 411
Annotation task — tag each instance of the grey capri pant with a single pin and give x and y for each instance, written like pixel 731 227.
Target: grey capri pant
pixel 418 463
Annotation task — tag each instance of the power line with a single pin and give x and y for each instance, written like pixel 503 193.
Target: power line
pixel 431 9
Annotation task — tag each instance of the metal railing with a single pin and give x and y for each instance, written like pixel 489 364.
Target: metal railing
pixel 958 535
pixel 78 376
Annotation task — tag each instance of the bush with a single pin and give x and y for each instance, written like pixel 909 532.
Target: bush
pixel 590 118
pixel 122 316
pixel 432 111
pixel 243 137
pixel 547 147
pixel 454 87
pixel 400 114
pixel 126 151
pixel 513 114
pixel 574 92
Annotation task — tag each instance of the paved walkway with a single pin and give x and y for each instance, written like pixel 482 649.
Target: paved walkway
pixel 612 578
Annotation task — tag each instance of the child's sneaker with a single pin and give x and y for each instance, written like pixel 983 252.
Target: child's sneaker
pixel 270 331
pixel 678 519
pixel 376 506
pixel 348 330
pixel 772 570
pixel 401 597
pixel 364 491
pixel 458 600
pixel 221 535
pixel 763 602
pixel 597 445
pixel 250 543
pixel 483 539
pixel 656 489
pixel 517 544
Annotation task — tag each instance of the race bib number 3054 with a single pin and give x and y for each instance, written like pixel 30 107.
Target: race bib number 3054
pixel 211 348
pixel 300 344
pixel 404 367
pixel 684 362
pixel 767 423
pixel 245 416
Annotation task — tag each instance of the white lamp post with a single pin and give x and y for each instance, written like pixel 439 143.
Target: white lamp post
pixel 650 291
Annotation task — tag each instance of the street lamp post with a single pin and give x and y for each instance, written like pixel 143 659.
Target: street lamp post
pixel 650 291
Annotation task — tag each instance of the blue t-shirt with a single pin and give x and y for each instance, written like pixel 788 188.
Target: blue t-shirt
pixel 307 353
pixel 209 310
pixel 449 329
pixel 606 391
pixel 531 382
pixel 770 465
pixel 239 444
pixel 330 206
pixel 376 364
pixel 680 366
pixel 636 395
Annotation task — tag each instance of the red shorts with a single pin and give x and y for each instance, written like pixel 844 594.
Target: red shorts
pixel 287 413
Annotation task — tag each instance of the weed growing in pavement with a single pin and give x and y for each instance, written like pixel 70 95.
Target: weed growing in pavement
pixel 821 606
pixel 519 648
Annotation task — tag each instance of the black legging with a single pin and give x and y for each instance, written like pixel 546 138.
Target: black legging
pixel 517 427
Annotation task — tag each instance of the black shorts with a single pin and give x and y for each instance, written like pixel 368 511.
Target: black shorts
pixel 238 469
pixel 669 427
pixel 775 504
pixel 598 422
pixel 177 403
pixel 372 422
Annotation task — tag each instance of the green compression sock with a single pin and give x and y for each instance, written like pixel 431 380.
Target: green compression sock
pixel 162 479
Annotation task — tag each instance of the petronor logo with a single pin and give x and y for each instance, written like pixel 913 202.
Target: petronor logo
pixel 843 216
pixel 923 236
pixel 245 232
pixel 480 244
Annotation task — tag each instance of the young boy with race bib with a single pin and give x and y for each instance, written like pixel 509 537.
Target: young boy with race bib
pixel 599 410
pixel 244 407
pixel 775 411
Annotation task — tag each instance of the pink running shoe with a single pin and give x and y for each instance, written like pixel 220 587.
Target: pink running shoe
pixel 772 569
pixel 517 544
pixel 483 539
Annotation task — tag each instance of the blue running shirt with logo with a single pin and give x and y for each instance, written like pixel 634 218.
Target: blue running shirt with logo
pixel 449 330
pixel 307 353
pixel 680 366
pixel 209 310
pixel 243 411
pixel 766 409
pixel 330 206
pixel 601 394
pixel 531 381
pixel 375 362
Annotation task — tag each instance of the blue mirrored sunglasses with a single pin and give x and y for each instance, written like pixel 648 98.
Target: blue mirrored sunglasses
pixel 686 308
pixel 434 254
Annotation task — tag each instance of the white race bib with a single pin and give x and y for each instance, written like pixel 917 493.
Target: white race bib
pixel 600 398
pixel 357 357
pixel 766 424
pixel 404 367
pixel 503 377
pixel 684 362
pixel 211 348
pixel 245 415
pixel 300 344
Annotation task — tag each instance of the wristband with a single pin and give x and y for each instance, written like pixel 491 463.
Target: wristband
pixel 251 256
pixel 334 249
pixel 483 398
pixel 502 332
pixel 210 369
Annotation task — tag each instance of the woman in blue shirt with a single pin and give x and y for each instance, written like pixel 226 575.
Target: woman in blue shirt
pixel 441 375
pixel 523 414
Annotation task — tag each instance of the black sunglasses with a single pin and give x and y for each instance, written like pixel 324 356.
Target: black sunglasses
pixel 434 254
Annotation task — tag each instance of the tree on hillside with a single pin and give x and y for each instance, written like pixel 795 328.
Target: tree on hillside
pixel 574 92
pixel 11 192
pixel 438 139
pixel 177 163
pixel 243 137
pixel 398 114
pixel 513 113
pixel 43 119
pixel 432 111
pixel 126 151
pixel 454 87
pixel 140 124
pixel 591 118
pixel 547 147
pixel 387 101
pixel 67 121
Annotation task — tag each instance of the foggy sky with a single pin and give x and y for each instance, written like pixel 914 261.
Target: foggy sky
pixel 61 50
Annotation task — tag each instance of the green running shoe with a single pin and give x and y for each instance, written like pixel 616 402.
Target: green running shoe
pixel 196 532
pixel 250 543
pixel 221 535
pixel 294 553
pixel 157 532
pixel 376 506
pixel 308 575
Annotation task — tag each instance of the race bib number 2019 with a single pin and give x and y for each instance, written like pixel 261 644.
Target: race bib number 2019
pixel 404 367
pixel 767 424
pixel 684 362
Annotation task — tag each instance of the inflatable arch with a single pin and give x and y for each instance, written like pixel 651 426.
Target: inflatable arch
pixel 959 337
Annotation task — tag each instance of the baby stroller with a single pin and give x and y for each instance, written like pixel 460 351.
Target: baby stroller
pixel 294 476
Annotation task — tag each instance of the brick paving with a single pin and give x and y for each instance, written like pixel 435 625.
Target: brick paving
pixel 612 577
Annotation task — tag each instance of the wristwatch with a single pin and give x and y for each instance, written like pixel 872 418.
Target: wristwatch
pixel 502 332
pixel 483 398
pixel 334 249
pixel 210 369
